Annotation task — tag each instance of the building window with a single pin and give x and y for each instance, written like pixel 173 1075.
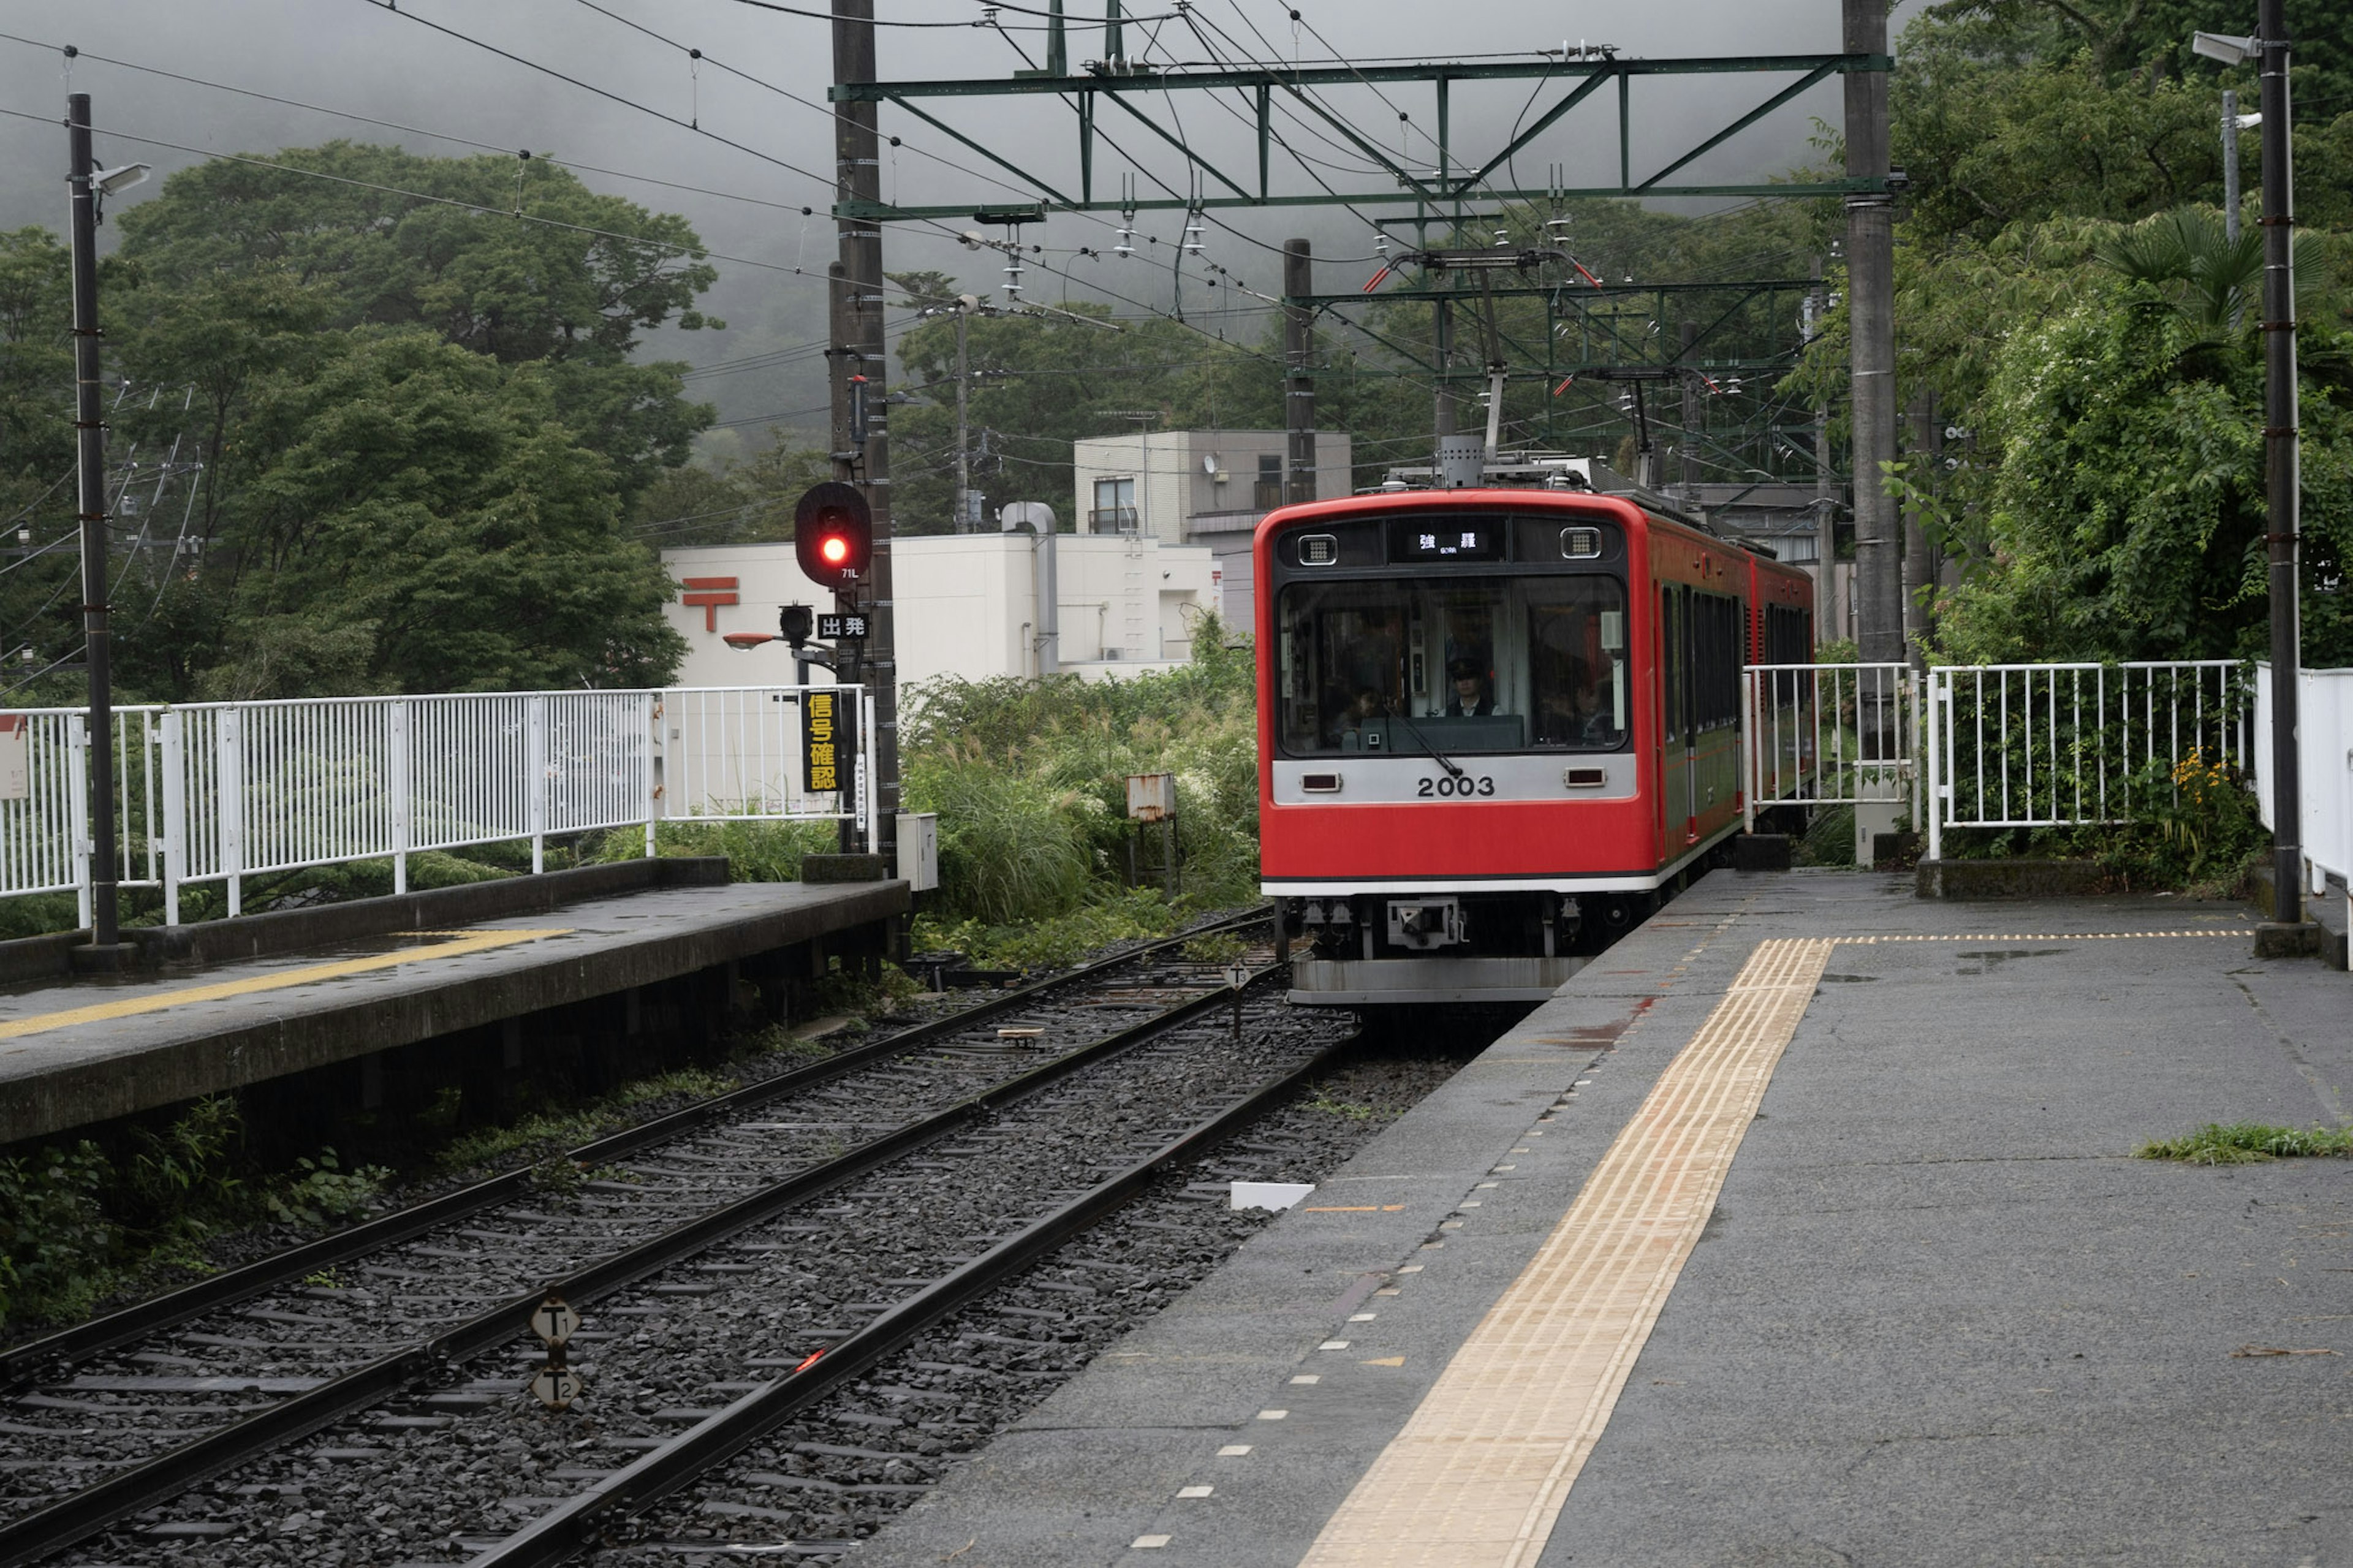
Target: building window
pixel 1267 493
pixel 1115 508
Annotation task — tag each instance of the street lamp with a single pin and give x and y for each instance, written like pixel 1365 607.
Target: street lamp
pixel 2282 455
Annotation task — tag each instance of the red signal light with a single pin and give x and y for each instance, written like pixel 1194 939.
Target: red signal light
pixel 833 535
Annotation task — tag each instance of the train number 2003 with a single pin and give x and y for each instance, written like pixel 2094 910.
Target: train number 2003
pixel 1465 784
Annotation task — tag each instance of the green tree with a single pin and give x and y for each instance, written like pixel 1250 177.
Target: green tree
pixel 391 238
pixel 426 495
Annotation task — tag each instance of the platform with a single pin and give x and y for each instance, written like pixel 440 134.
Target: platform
pixel 74 1053
pixel 1801 1227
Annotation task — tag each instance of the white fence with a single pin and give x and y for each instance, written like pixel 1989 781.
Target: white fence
pixel 2021 745
pixel 1830 734
pixel 2324 730
pixel 219 791
pixel 2056 745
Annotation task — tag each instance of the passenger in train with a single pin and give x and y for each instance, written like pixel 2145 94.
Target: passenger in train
pixel 1471 699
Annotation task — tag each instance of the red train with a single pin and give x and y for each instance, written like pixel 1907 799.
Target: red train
pixel 1496 726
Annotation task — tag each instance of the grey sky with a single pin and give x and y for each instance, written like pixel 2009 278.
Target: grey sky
pixel 354 55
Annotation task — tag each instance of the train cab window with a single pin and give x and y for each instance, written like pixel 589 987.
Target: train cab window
pixel 1477 664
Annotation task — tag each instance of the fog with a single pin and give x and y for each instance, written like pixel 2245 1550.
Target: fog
pixel 358 57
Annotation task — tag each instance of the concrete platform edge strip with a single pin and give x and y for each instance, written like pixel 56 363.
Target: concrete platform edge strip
pixel 291 930
pixel 1479 1474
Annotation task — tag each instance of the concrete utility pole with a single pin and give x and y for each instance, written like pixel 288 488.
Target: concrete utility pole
pixel 1443 333
pixel 2230 165
pixel 1687 451
pixel 965 518
pixel 1871 322
pixel 1919 561
pixel 2283 463
pixel 855 284
pixel 1828 624
pixel 90 430
pixel 1299 386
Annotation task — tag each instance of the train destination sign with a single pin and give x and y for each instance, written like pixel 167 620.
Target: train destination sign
pixel 1445 538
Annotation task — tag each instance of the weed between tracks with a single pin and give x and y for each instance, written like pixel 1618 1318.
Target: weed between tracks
pixel 2248 1144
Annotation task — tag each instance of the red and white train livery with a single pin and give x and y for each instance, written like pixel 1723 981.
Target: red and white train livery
pixel 1496 727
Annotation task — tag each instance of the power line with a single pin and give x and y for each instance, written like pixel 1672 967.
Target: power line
pixel 717 64
pixel 696 250
pixel 386 6
pixel 406 129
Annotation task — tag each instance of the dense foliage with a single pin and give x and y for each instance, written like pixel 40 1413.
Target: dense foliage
pixel 2066 292
pixel 365 437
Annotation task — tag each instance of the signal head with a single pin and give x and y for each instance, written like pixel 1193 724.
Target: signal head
pixel 833 535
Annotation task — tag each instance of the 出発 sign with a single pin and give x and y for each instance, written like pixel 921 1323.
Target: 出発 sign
pixel 825 742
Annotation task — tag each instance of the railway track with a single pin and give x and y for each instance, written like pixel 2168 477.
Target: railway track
pixel 111 1421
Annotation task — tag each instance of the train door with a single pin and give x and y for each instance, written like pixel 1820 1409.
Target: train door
pixel 1674 753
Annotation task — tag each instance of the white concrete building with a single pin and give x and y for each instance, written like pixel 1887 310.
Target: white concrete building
pixel 1198 487
pixel 967 606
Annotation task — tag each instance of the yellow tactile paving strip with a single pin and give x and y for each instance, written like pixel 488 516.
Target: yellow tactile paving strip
pixel 1479 1474
pixel 2241 932
pixel 459 945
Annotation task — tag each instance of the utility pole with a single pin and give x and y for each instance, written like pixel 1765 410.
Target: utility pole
pixel 856 288
pixel 963 511
pixel 1444 334
pixel 1688 451
pixel 1826 614
pixel 2231 165
pixel 1919 561
pixel 2283 462
pixel 1871 318
pixel 90 430
pixel 1299 386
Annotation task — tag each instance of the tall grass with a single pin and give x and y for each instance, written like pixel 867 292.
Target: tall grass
pixel 1029 781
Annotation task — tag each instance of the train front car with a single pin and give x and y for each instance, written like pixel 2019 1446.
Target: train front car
pixel 1493 724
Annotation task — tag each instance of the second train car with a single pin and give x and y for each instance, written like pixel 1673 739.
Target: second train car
pixel 1497 725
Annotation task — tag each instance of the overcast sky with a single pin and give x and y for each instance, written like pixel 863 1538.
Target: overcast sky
pixel 358 57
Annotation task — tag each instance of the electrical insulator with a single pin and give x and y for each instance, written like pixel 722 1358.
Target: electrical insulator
pixel 1192 237
pixel 1012 276
pixel 1126 246
pixel 1380 243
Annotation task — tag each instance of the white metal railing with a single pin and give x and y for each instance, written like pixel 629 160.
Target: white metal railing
pixel 1828 734
pixel 2324 730
pixel 2019 745
pixel 2056 745
pixel 217 792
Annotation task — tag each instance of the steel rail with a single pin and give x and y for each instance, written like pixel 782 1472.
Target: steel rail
pixel 85 1514
pixel 26 1363
pixel 556 1536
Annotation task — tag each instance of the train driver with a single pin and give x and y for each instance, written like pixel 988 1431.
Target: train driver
pixel 1471 699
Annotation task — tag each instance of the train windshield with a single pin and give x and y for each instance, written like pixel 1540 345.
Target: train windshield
pixel 1471 664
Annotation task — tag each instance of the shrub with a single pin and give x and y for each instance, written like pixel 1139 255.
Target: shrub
pixel 55 1238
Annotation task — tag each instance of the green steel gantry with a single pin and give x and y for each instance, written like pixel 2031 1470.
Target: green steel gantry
pixel 1118 82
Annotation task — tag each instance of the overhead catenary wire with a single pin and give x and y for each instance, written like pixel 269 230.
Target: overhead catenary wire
pixel 823 181
pixel 408 130
pixel 697 251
